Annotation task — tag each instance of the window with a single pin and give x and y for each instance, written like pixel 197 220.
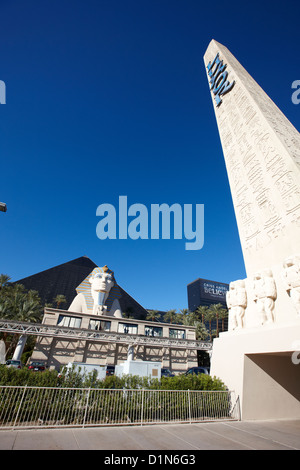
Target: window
pixel 99 325
pixel 72 322
pixel 127 328
pixel 178 334
pixel 153 331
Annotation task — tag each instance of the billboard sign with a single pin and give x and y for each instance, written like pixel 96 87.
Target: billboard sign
pixel 213 292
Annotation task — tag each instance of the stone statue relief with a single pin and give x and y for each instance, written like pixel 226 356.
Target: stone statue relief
pixel 291 279
pixel 98 294
pixel 236 299
pixel 265 294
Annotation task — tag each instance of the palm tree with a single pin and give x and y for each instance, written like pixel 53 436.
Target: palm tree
pixel 128 312
pixel 17 304
pixel 209 317
pixel 185 311
pixel 29 310
pixel 183 315
pixel 59 299
pixel 4 280
pixel 201 331
pixel 153 315
pixel 190 319
pixel 14 295
pixel 4 309
pixel 170 316
pixel 201 312
pixel 218 311
pixel 223 314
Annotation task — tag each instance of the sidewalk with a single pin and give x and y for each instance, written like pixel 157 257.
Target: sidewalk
pixel 236 435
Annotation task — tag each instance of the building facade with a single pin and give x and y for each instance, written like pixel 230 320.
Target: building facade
pixel 203 292
pixel 105 340
pixel 93 330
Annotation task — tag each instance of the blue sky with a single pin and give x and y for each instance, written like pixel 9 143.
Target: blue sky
pixel 108 98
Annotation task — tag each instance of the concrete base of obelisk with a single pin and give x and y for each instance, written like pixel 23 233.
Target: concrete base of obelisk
pixel 262 365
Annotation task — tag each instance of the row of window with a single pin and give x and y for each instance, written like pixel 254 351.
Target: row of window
pixel 129 328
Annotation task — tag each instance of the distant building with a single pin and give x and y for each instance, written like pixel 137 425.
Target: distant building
pixel 203 292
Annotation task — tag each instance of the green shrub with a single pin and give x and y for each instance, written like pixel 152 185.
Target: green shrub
pixel 191 382
pixel 74 379
pixel 12 376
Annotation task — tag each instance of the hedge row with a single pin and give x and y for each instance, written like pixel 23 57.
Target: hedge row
pixel 71 378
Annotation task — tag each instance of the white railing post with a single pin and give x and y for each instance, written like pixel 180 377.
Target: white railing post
pixel 86 407
pixel 19 407
pixel 142 410
pixel 189 398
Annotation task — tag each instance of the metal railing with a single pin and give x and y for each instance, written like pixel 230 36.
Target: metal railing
pixel 85 334
pixel 30 407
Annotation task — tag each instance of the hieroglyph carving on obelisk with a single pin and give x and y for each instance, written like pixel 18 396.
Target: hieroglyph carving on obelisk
pixel 262 156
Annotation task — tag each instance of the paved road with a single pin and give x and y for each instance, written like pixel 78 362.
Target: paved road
pixel 237 435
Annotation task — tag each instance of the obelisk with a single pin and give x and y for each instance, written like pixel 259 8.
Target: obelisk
pixel 262 156
pixel 256 357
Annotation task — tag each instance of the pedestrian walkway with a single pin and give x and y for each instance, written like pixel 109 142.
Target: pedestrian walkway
pixel 231 435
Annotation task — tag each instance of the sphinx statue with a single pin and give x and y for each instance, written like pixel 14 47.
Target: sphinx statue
pixel 98 294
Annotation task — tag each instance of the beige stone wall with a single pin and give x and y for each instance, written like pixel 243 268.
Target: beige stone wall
pixel 271 387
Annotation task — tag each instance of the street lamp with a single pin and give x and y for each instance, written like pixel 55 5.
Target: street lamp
pixel 3 207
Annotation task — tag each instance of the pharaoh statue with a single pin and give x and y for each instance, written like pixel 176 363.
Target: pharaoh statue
pixel 236 299
pixel 265 295
pixel 291 279
pixel 98 294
